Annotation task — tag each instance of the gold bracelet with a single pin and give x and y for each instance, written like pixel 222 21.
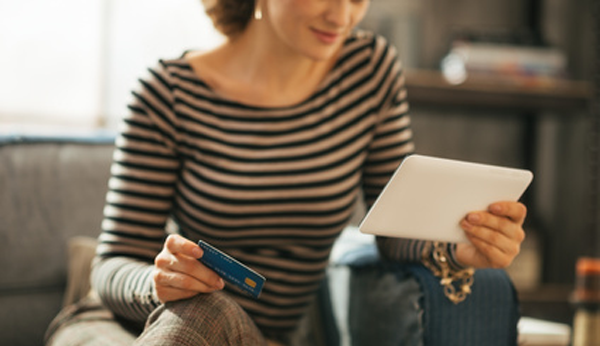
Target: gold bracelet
pixel 435 258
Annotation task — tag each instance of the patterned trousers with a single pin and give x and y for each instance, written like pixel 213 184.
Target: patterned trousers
pixel 207 319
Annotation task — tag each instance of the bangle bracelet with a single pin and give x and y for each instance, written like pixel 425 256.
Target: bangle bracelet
pixel 435 258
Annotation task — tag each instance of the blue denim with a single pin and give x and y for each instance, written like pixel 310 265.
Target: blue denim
pixel 384 307
pixel 404 304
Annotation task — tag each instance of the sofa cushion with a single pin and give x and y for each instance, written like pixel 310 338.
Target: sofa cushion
pixel 50 193
pixel 25 316
pixel 52 190
pixel 81 253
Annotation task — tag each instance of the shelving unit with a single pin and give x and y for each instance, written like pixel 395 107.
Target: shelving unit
pixel 430 88
pixel 529 98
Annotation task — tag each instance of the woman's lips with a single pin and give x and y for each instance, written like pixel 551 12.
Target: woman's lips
pixel 326 37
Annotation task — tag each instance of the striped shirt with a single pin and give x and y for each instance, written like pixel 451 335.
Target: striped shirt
pixel 273 187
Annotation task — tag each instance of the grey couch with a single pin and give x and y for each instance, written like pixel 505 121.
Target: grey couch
pixel 52 192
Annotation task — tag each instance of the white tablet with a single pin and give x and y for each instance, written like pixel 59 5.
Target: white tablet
pixel 427 197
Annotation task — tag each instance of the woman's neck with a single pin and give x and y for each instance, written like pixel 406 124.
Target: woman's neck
pixel 262 69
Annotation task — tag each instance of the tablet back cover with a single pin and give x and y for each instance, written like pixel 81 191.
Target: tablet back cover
pixel 427 197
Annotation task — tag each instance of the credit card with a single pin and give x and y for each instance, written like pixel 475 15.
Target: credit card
pixel 231 270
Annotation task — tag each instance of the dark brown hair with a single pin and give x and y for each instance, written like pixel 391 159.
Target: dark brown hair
pixel 230 17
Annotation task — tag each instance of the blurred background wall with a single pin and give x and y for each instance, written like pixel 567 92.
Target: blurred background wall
pixel 553 142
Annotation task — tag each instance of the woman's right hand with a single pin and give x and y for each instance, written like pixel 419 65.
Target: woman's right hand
pixel 179 275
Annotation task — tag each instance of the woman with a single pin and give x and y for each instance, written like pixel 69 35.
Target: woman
pixel 259 147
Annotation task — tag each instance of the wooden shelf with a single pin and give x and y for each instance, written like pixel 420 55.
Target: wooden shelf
pixel 547 293
pixel 429 87
pixel 548 302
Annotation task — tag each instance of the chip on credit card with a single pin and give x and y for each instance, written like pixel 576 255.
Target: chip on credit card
pixel 231 270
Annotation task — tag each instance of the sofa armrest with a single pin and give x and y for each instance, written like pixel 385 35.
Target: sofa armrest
pixel 81 253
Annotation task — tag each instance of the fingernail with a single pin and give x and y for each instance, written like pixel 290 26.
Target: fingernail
pixel 221 284
pixel 473 217
pixel 466 225
pixel 197 252
pixel 495 208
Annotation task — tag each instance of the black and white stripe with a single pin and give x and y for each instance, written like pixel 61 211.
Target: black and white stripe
pixel 273 187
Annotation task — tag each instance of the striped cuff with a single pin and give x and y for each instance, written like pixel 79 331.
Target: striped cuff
pixel 455 266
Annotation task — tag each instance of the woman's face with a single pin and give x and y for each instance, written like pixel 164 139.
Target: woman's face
pixel 314 28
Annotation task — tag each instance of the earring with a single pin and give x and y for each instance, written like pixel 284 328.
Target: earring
pixel 257 12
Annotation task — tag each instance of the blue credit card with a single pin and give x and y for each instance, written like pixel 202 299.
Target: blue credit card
pixel 231 270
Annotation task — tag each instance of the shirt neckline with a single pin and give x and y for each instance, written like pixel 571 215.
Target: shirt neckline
pixel 322 86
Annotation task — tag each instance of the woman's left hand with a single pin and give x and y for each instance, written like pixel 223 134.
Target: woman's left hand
pixel 495 236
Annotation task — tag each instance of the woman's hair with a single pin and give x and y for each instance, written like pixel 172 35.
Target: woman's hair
pixel 230 17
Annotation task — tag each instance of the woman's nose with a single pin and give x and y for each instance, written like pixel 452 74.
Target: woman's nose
pixel 339 12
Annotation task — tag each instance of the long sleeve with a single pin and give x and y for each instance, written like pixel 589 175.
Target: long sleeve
pixel 392 142
pixel 139 201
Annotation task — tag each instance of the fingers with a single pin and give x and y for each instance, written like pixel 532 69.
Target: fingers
pixel 504 217
pixel 177 244
pixel 497 233
pixel 178 273
pixel 189 267
pixel 488 255
pixel 515 211
pixel 168 294
pixel 499 249
pixel 208 282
